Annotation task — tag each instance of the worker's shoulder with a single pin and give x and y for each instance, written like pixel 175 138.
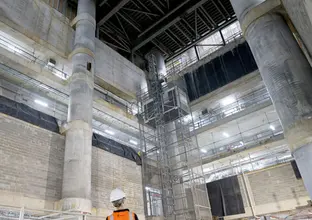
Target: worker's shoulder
pixel 135 216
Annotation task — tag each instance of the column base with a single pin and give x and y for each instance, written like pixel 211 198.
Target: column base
pixel 75 205
pixel 303 159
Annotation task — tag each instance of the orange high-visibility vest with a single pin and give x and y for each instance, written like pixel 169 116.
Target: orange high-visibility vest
pixel 125 215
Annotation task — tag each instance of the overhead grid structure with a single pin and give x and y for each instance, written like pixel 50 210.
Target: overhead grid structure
pixel 173 178
pixel 132 27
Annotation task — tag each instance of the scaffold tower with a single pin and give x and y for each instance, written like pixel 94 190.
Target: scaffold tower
pixel 173 180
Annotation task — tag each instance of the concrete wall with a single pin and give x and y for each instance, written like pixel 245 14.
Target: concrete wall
pixel 271 190
pixel 31 170
pixel 48 33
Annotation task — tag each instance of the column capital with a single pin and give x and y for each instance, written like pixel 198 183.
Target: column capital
pixel 258 11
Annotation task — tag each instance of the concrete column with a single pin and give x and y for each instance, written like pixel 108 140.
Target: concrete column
pixel 300 13
pixel 286 74
pixel 76 191
pixel 175 161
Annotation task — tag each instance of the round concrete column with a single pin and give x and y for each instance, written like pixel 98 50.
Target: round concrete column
pixel 287 76
pixel 76 191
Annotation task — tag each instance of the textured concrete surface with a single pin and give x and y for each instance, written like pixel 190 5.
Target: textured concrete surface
pixel 40 22
pixel 76 188
pixel 277 184
pixel 300 13
pixel 35 23
pixel 31 170
pixel 286 74
pixel 274 189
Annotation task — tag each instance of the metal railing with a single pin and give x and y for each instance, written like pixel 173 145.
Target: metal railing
pixel 22 213
pixel 252 99
pixel 241 141
pixel 173 69
pixel 30 56
pixel 254 161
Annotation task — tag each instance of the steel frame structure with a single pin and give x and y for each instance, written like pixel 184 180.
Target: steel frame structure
pixel 173 165
pixel 133 26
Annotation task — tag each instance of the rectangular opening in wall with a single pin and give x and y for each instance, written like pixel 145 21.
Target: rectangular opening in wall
pixel 296 170
pixel 89 66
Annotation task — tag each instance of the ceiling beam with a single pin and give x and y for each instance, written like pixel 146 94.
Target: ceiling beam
pixel 182 32
pixel 201 38
pixel 165 22
pixel 157 6
pixel 163 18
pixel 130 21
pixel 148 39
pixel 102 3
pixel 112 12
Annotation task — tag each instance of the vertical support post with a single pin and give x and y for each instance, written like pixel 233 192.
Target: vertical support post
pixel 76 191
pixel 287 76
pixel 21 214
pixel 196 51
pixel 222 37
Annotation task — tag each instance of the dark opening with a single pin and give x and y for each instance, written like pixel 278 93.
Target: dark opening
pixel 89 66
pixel 225 197
pixel 296 170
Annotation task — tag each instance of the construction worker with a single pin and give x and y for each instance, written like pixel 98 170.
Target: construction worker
pixel 118 197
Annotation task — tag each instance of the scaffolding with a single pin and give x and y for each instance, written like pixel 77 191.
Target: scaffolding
pixel 173 180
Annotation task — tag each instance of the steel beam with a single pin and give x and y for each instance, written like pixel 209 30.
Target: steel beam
pixel 176 37
pixel 102 3
pixel 145 41
pixel 140 11
pixel 141 41
pixel 174 40
pixel 157 6
pixel 201 38
pixel 130 21
pixel 112 12
pixel 163 18
pixel 184 34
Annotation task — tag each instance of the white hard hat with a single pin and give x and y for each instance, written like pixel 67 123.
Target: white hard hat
pixel 117 194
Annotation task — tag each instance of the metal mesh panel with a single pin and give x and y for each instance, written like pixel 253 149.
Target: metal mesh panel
pixel 171 157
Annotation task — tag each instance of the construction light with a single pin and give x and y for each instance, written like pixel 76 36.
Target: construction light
pixel 133 142
pixel 109 132
pixel 203 150
pixel 228 100
pixel 41 103
pixel 226 134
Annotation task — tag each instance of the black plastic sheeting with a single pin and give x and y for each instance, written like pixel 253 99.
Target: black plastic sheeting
pixel 225 197
pixel 220 71
pixel 116 148
pixel 32 116
pixel 27 114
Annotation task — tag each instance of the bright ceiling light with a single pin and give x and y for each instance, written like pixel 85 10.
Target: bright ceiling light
pixel 109 132
pixel 44 104
pixel 228 100
pixel 203 150
pixel 272 127
pixel 187 118
pixel 133 142
pixel 226 134
pixel 207 169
